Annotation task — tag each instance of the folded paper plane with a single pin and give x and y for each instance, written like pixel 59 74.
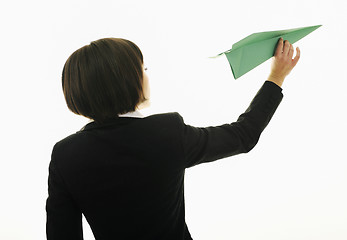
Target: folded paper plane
pixel 255 49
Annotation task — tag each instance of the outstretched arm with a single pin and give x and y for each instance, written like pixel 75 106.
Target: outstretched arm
pixel 209 144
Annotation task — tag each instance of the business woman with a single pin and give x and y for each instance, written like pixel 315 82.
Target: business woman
pixel 125 172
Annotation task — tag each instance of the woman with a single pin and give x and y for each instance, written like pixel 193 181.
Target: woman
pixel 125 172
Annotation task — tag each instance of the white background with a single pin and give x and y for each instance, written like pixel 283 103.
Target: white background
pixel 292 185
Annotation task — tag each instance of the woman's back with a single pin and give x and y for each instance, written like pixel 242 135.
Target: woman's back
pixel 126 177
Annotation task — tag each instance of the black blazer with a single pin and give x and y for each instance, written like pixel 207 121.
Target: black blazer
pixel 127 176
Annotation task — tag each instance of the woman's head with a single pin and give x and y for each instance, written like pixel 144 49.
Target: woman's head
pixel 104 79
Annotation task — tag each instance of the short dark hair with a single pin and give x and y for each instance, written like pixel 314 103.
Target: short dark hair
pixel 104 79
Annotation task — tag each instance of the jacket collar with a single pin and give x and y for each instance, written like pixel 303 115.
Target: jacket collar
pixel 135 114
pixel 121 119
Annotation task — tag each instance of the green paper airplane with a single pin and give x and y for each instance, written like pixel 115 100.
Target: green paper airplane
pixel 255 49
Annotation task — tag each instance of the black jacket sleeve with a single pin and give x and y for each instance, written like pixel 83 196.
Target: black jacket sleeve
pixel 211 143
pixel 64 219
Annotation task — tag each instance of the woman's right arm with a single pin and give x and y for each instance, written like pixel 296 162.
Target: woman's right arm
pixel 212 143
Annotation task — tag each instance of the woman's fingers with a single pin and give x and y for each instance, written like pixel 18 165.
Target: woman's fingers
pixel 297 57
pixel 279 48
pixel 286 47
pixel 291 51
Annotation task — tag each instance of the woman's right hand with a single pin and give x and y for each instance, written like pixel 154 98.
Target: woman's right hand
pixel 283 61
